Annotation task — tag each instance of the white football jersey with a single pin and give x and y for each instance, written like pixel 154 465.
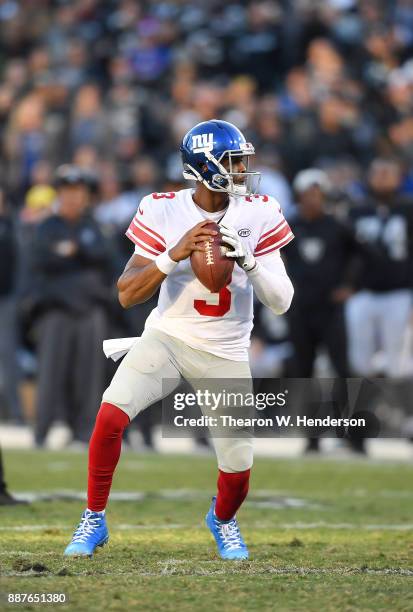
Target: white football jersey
pixel 219 323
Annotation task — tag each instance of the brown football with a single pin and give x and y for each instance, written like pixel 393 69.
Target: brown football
pixel 211 267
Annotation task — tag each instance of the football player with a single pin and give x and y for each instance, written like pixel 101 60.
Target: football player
pixel 379 314
pixel 192 333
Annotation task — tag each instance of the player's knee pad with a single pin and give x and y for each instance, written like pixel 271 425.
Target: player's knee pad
pixel 234 455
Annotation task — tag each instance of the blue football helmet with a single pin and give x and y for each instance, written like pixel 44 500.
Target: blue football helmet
pixel 203 150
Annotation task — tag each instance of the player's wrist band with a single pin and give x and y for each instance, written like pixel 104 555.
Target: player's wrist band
pixel 165 264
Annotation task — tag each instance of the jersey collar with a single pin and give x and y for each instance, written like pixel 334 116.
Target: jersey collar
pixel 196 212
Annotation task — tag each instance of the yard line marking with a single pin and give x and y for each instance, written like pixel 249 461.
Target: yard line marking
pixel 236 569
pixel 368 527
pixel 260 499
pixel 273 526
pixel 30 528
pixel 121 527
pixel 180 567
pixel 170 568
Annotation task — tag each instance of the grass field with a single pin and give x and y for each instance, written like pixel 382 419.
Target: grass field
pixel 323 535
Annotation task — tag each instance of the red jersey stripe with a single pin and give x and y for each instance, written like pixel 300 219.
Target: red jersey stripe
pixel 140 244
pixel 148 229
pixel 272 230
pixel 274 238
pixel 277 246
pixel 147 238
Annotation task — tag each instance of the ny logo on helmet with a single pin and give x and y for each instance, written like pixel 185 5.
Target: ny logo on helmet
pixel 202 143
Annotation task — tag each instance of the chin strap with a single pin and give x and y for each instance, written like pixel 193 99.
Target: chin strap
pixel 190 174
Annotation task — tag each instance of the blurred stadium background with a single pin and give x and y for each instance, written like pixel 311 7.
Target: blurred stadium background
pixel 110 87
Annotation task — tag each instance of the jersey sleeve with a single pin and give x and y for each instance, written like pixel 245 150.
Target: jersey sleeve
pixel 146 230
pixel 275 231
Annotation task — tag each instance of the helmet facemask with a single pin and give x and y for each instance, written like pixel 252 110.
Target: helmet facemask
pixel 227 180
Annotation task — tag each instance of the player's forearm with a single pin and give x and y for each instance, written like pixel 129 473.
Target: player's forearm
pixel 273 289
pixel 137 285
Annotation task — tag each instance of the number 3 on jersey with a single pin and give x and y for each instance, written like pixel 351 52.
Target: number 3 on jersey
pixel 215 310
pixel 169 195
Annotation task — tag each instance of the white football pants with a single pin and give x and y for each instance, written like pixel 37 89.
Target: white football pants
pixel 380 322
pixel 157 361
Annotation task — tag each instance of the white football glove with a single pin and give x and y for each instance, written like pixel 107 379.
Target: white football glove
pixel 241 253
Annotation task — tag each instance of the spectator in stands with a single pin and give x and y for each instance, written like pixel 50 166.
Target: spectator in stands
pixel 40 194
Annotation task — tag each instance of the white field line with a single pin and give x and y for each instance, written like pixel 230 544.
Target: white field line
pixel 262 567
pixel 300 526
pixel 214 568
pixel 297 570
pixel 260 499
pixel 191 494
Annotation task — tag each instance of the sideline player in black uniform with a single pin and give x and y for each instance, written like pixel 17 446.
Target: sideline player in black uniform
pixel 321 265
pixel 379 314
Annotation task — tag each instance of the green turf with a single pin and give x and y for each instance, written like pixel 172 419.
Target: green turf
pixel 323 535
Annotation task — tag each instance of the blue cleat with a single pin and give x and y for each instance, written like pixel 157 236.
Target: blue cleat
pixel 90 533
pixel 227 536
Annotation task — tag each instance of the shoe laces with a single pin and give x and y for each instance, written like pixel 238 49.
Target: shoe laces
pixel 87 526
pixel 230 534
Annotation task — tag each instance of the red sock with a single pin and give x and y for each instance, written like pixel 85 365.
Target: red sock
pixel 232 490
pixel 104 452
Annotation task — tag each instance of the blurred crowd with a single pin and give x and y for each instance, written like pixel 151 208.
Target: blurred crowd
pixel 111 86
